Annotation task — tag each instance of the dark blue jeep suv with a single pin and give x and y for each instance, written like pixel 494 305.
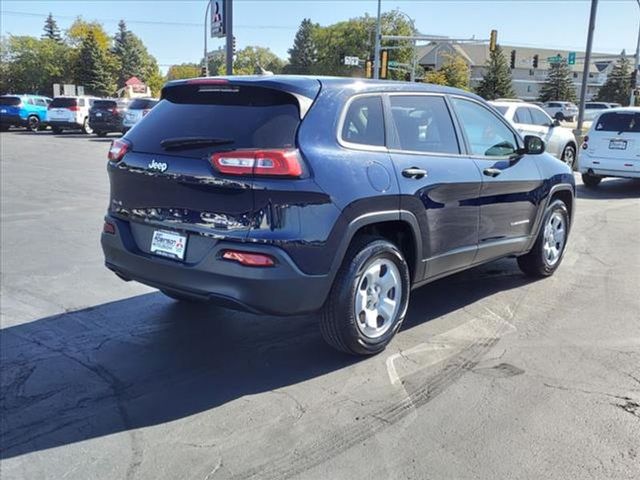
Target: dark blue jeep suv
pixel 288 195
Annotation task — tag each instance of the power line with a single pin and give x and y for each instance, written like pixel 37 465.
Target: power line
pixel 150 22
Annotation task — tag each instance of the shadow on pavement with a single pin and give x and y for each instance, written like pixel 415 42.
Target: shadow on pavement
pixel 148 360
pixel 611 189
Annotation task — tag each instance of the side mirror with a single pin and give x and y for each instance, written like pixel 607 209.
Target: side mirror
pixel 533 145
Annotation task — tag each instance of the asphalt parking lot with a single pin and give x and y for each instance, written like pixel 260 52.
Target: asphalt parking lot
pixel 492 376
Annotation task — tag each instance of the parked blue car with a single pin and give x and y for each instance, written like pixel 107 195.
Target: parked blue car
pixel 287 195
pixel 28 111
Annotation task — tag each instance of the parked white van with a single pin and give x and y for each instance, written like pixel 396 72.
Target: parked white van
pixel 612 146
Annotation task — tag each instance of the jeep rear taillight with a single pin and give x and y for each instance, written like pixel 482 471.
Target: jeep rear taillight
pixel 118 150
pixel 266 162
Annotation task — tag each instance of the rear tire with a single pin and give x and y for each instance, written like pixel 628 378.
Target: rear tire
pixel 85 127
pixel 4 128
pixel 33 123
pixel 101 134
pixel 591 181
pixel 569 155
pixel 559 116
pixel 374 279
pixel 546 255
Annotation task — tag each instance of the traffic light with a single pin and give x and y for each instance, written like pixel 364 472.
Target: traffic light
pixel 493 40
pixel 384 64
pixel 233 44
pixel 203 71
pixel 368 69
pixel 536 58
pixel 634 79
pixel 513 59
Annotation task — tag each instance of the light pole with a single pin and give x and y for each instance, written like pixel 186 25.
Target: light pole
pixel 587 61
pixel 205 59
pixel 376 54
pixel 413 48
pixel 636 67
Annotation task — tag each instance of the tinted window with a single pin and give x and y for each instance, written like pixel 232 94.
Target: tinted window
pixel 63 102
pixel 104 104
pixel 553 105
pixel 10 101
pixel 522 115
pixel 539 117
pixel 502 110
pixel 30 101
pixel 486 133
pixel 142 104
pixel 364 122
pixel 41 102
pixel 619 122
pixel 424 124
pixel 248 117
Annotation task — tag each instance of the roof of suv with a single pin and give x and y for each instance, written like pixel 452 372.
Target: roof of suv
pixel 304 85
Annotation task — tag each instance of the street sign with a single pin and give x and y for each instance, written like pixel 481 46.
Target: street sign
pixel 217 19
pixel 393 63
pixel 556 59
pixel 571 59
pixel 352 61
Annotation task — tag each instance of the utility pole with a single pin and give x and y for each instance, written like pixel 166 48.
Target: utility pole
pixel 228 18
pixel 636 67
pixel 376 55
pixel 587 62
pixel 205 58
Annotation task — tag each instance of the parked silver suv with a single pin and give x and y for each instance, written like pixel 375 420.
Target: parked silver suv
pixel 561 110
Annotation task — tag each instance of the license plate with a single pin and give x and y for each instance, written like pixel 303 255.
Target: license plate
pixel 617 144
pixel 98 114
pixel 168 244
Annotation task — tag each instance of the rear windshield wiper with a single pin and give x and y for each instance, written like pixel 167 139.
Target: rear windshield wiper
pixel 193 142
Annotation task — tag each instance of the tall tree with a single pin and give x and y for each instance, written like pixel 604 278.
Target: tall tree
pixel 303 56
pixel 454 72
pixel 134 60
pixel 51 30
pixel 93 69
pixel 185 70
pixel 251 59
pixel 559 84
pixel 618 85
pixel 79 30
pixel 496 82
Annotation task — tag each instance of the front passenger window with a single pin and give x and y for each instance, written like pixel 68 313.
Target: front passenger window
pixel 487 135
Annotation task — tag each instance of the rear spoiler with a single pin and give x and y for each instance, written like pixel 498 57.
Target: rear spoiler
pixel 304 90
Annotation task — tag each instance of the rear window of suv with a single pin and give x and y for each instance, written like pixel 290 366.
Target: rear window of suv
pixel 63 102
pixel 104 104
pixel 142 104
pixel 619 122
pixel 10 101
pixel 240 117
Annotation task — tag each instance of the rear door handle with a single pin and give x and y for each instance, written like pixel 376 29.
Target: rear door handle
pixel 492 172
pixel 414 172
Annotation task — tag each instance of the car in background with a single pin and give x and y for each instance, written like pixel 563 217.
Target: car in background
pixel 611 147
pixel 246 191
pixel 563 111
pixel 530 119
pixel 138 108
pixel 28 111
pixel 592 109
pixel 70 113
pixel 106 115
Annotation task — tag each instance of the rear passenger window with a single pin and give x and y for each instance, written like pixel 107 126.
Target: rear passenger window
pixel 40 102
pixel 424 124
pixel 364 122
pixel 539 117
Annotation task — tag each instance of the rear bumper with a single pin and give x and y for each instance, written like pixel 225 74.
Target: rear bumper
pixel 12 120
pixel 609 167
pixel 279 290
pixel 64 124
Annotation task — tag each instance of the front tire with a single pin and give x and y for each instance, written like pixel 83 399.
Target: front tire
pixel 559 116
pixel 86 128
pixel 546 255
pixel 33 123
pixel 369 298
pixel 569 155
pixel 591 181
pixel 100 133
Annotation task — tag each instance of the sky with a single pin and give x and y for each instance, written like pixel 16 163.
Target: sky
pixel 173 29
